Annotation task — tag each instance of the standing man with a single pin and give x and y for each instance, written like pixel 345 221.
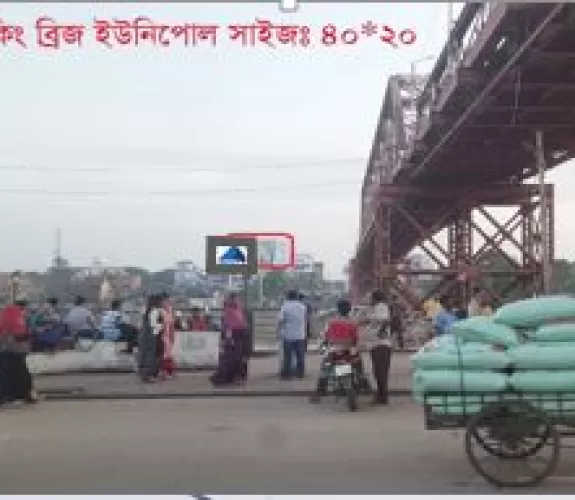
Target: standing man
pixel 378 339
pixel 292 334
pixel 308 319
pixel 474 306
pixel 80 321
pixel 445 317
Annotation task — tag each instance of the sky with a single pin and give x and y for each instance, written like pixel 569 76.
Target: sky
pixel 138 153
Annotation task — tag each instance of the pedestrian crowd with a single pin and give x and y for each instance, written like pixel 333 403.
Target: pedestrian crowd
pixel 447 310
pixel 375 330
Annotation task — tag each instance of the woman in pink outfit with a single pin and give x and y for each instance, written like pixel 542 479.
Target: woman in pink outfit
pixel 236 339
pixel 167 365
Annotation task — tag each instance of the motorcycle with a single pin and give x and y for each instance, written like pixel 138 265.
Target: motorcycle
pixel 343 377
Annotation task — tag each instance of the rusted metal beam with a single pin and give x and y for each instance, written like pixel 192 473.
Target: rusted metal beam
pixel 550 17
pixel 421 230
pixel 532 126
pixel 512 225
pixel 555 85
pixel 525 107
pixel 509 195
pixel 549 55
pixel 455 272
pixel 497 248
pixel 508 236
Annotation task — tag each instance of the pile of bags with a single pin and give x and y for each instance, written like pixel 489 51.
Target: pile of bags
pixel 526 347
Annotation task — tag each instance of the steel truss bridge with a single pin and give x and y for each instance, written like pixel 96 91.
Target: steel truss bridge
pixel 496 112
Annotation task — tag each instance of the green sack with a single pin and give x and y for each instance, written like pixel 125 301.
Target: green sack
pixel 552 407
pixel 532 313
pixel 483 330
pixel 543 356
pixel 451 381
pixel 543 381
pixel 471 409
pixel 482 360
pixel 563 332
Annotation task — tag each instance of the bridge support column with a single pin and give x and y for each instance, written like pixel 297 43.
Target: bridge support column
pixel 489 237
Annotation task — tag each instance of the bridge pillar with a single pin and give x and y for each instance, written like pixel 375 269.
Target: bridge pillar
pixel 488 237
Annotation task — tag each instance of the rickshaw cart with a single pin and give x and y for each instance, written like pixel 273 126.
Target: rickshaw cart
pixel 512 430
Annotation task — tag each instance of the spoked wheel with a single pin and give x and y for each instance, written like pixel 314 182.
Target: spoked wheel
pixel 512 444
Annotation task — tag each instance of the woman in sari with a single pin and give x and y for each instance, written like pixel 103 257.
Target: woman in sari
pixel 15 379
pixel 234 351
pixel 235 327
pixel 167 365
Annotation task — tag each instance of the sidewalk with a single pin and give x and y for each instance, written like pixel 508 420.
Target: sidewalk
pixel 263 381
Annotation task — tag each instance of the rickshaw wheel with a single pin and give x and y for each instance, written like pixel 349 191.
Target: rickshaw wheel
pixel 512 434
pixel 507 414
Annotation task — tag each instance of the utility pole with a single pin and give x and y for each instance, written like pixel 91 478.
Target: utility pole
pixel 544 213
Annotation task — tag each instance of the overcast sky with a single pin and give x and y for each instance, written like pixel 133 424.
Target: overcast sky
pixel 135 153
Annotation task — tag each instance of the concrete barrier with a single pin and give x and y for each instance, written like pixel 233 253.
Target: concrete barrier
pixel 192 350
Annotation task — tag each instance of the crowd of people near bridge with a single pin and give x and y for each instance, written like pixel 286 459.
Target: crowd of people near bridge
pixel 447 310
pixel 23 329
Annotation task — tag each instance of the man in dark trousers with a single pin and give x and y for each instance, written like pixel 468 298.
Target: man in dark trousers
pixel 378 340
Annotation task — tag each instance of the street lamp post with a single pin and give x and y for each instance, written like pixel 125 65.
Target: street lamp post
pixel 544 213
pixel 15 279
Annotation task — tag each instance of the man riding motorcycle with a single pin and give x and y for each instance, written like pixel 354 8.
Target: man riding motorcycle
pixel 339 339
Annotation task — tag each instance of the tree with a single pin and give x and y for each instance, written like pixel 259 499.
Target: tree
pixel 275 284
pixel 162 280
pixel 563 275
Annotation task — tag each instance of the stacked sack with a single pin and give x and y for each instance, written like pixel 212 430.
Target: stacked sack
pixel 471 358
pixel 545 361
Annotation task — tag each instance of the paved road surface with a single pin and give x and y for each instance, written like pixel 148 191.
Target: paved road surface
pixel 228 446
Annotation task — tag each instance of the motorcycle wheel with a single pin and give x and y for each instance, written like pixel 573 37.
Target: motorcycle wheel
pixel 351 394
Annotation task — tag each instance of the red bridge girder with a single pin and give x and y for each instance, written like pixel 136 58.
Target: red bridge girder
pixel 504 75
pixel 459 262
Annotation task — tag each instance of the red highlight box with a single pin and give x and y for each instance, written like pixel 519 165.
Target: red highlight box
pixel 287 237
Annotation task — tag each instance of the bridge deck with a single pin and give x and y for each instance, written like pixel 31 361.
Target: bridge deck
pixel 515 77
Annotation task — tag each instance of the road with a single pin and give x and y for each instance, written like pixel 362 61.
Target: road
pixel 233 446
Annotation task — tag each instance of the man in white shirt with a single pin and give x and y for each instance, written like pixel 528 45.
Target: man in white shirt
pixel 474 307
pixel 292 334
pixel 376 336
pixel 80 321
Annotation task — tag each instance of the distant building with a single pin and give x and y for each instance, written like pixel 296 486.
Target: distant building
pixel 188 274
pixel 318 272
pixel 420 262
pixel 304 263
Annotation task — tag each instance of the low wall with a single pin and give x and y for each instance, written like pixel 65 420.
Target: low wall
pixel 192 350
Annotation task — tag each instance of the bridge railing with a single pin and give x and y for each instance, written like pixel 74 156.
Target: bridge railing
pixel 467 29
pixel 471 24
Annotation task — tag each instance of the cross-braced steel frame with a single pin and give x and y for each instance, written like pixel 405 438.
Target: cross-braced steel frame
pixel 459 263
